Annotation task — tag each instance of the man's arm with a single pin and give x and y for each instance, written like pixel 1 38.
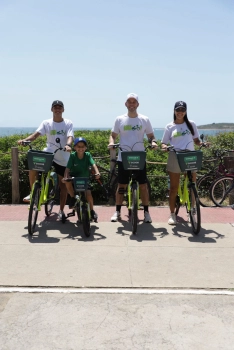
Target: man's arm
pixel 152 139
pixel 112 139
pixel 31 137
pixel 68 146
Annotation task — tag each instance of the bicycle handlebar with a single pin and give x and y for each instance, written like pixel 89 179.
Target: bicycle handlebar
pixel 28 143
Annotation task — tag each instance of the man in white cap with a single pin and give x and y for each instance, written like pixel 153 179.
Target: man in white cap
pixel 131 128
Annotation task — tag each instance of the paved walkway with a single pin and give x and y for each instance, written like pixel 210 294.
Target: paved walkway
pixel 160 259
pixel 159 256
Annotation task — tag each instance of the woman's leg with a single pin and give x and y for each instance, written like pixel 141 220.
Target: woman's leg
pixel 174 185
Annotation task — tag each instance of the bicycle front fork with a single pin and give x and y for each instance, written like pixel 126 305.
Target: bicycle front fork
pixel 132 185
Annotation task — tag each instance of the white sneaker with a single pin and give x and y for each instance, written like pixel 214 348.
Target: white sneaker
pixel 116 217
pixel 172 219
pixel 27 199
pixel 147 217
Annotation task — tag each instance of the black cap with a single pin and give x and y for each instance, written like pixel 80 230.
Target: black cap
pixel 180 104
pixel 57 103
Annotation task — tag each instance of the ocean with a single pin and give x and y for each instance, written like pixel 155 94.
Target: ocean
pixel 5 131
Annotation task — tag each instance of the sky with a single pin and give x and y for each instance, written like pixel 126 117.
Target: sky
pixel 91 54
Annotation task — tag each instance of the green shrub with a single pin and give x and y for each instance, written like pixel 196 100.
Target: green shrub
pixel 97 144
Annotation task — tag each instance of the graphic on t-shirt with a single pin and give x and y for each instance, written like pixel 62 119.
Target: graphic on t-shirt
pixel 179 133
pixel 54 132
pixel 130 127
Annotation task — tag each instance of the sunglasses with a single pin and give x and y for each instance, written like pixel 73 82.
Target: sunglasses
pixel 180 110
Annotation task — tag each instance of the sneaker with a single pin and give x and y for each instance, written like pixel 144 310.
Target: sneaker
pixel 172 219
pixel 61 215
pixel 147 217
pixel 94 216
pixel 116 217
pixel 72 202
pixel 27 199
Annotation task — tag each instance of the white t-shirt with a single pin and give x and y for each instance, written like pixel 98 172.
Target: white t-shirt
pixel 54 130
pixel 131 131
pixel 179 136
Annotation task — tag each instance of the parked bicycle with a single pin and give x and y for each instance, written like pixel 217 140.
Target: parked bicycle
pixel 45 187
pixel 81 207
pixel 133 161
pixel 205 182
pixel 187 193
pixel 222 189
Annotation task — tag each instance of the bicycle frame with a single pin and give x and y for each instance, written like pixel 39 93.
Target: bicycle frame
pixel 44 183
pixel 184 194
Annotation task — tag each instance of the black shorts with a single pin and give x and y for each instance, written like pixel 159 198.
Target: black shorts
pixel 123 175
pixel 59 169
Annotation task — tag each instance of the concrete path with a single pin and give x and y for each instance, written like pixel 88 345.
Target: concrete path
pixel 160 258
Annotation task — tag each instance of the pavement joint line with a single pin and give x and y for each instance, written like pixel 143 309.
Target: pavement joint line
pixel 149 291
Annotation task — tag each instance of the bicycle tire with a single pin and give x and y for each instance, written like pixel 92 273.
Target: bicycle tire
pixel 33 209
pixel 134 217
pixel 177 204
pixel 221 191
pixel 85 221
pixel 194 212
pixel 203 190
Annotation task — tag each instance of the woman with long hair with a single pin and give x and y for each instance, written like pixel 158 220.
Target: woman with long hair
pixel 181 133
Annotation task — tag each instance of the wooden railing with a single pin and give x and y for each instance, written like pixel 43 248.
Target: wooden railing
pixel 15 170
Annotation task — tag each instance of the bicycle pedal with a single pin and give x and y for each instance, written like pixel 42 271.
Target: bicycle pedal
pixel 71 214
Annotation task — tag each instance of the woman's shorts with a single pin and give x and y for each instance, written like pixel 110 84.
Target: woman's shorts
pixel 173 165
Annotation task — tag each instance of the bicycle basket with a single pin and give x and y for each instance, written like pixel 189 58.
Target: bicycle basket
pixel 229 163
pixel 80 184
pixel 134 160
pixel 40 160
pixel 191 160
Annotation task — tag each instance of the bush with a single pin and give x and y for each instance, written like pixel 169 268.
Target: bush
pixel 97 145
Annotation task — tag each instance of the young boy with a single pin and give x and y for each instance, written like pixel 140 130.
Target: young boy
pixel 78 166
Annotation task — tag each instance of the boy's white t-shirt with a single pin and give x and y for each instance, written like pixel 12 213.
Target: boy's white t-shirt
pixel 53 130
pixel 179 135
pixel 132 131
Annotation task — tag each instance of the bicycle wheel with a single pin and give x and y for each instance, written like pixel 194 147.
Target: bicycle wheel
pixel 194 212
pixel 222 191
pixel 134 217
pixel 203 190
pixel 33 209
pixel 50 203
pixel 85 221
pixel 177 205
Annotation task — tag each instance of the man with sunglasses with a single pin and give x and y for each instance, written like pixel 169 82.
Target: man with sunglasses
pixel 56 127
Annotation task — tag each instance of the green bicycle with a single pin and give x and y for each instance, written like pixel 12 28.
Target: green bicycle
pixel 133 161
pixel 187 193
pixel 45 187
pixel 81 206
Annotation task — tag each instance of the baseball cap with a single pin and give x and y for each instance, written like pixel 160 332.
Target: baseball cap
pixel 57 103
pixel 132 95
pixel 80 139
pixel 180 104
